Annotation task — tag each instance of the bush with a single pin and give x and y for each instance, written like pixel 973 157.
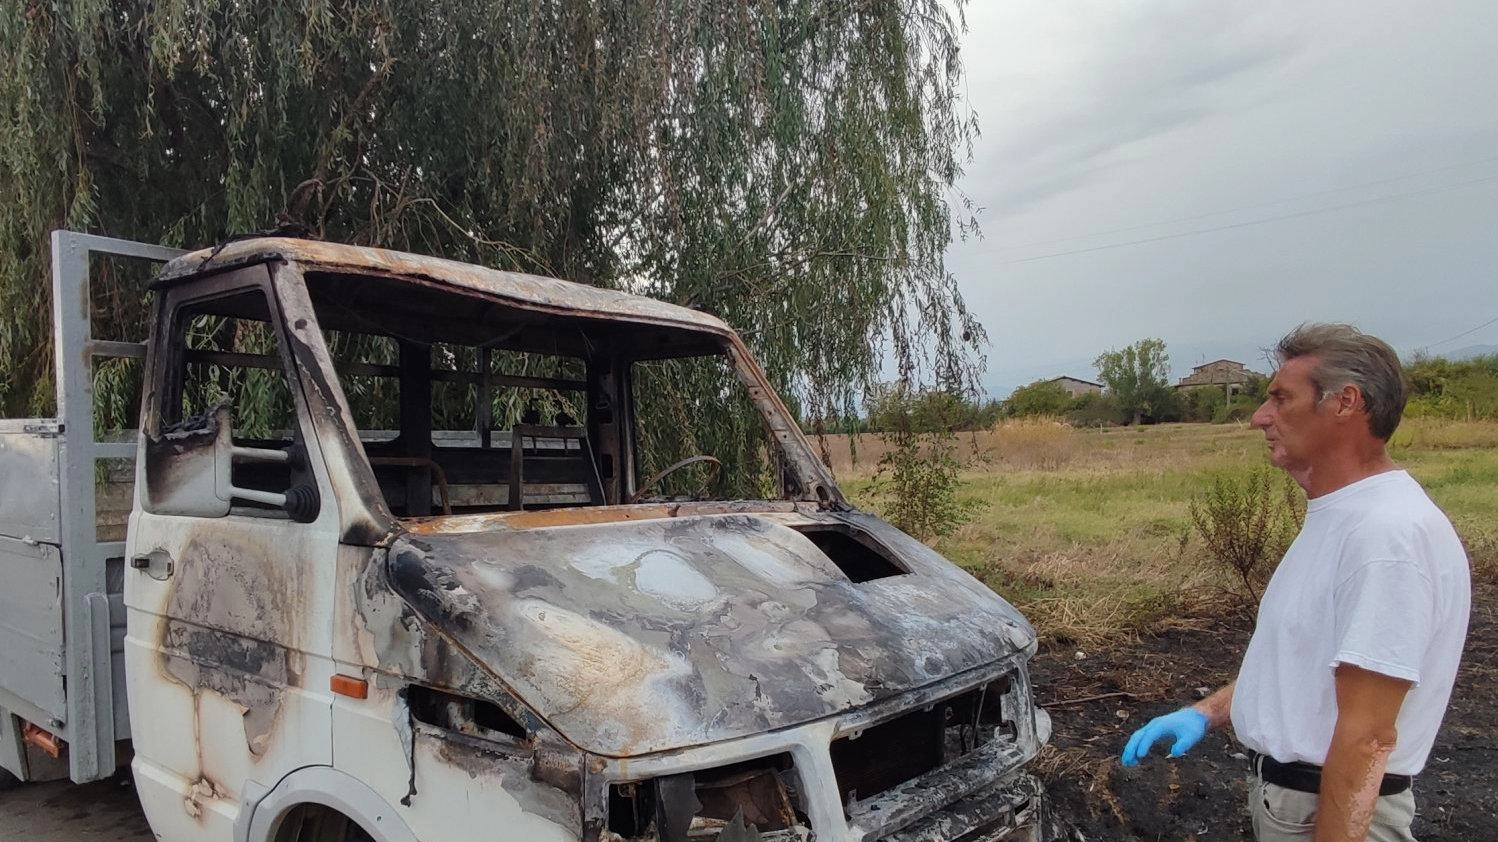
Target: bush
pixel 1464 390
pixel 1201 405
pixel 1240 408
pixel 928 409
pixel 1043 397
pixel 1247 522
pixel 917 475
pixel 1095 410
pixel 917 478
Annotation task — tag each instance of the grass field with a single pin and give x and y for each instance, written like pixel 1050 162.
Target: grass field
pixel 1089 532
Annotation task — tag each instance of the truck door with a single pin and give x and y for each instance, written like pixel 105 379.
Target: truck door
pixel 231 554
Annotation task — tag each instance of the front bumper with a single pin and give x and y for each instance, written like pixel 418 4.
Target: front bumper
pixel 1012 810
pixel 982 793
pixel 985 795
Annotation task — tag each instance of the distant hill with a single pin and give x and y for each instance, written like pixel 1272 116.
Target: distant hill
pixel 1471 351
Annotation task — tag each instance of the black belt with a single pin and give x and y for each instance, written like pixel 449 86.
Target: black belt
pixel 1306 777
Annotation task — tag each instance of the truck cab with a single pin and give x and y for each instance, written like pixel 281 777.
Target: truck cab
pixel 420 550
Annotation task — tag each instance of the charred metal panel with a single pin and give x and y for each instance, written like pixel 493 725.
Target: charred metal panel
pixel 230 629
pixel 663 634
pixel 525 290
pixel 230 621
pixel 981 795
pixel 362 514
pixel 1010 810
pixel 438 736
pixel 599 514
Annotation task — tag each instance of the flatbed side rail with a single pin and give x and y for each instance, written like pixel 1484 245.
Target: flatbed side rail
pixel 96 714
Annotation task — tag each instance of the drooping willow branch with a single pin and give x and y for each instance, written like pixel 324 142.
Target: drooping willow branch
pixel 784 164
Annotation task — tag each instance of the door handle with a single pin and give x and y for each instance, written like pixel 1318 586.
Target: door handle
pixel 157 564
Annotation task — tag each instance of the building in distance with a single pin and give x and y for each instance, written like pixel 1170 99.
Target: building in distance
pixel 1229 375
pixel 1076 387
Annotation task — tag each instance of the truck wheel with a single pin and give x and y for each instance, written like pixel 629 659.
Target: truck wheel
pixel 8 781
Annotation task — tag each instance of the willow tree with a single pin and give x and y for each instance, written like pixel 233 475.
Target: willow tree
pixel 785 164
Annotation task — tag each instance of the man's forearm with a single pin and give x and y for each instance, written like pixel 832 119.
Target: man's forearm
pixel 1349 786
pixel 1218 707
pixel 1365 734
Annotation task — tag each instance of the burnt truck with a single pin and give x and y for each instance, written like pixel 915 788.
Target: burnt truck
pixel 301 605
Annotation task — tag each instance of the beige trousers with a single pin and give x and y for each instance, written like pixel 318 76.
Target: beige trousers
pixel 1284 815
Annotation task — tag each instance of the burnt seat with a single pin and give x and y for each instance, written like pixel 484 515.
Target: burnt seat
pixel 552 466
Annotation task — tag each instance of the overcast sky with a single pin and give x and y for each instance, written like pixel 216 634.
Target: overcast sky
pixel 1371 125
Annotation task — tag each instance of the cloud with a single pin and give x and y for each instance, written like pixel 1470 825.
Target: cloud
pixel 1099 115
pixel 1129 73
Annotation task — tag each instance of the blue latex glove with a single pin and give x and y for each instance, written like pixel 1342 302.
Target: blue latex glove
pixel 1187 726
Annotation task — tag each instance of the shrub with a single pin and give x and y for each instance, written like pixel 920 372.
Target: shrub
pixel 917 474
pixel 917 478
pixel 1240 408
pixel 1043 397
pixel 1464 390
pixel 1095 410
pixel 927 409
pixel 1247 522
pixel 1201 404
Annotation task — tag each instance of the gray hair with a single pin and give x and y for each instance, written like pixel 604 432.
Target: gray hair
pixel 1346 356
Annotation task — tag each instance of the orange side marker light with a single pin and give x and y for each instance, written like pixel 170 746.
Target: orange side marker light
pixel 44 740
pixel 347 685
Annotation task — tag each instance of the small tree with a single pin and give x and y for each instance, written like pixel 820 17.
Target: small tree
pixel 1247 523
pixel 1137 376
pixel 917 475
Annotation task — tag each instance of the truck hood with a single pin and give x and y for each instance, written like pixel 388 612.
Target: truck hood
pixel 647 636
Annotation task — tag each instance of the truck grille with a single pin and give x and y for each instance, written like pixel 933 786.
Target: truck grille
pixel 910 745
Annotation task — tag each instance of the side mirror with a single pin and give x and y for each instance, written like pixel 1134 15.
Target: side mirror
pixel 190 467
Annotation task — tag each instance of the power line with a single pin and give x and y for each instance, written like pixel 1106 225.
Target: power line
pixel 1252 222
pixel 1491 321
pixel 1240 208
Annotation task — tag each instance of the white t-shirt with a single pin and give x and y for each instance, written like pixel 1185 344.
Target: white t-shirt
pixel 1377 578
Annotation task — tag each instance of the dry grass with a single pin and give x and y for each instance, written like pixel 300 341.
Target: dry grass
pixel 1437 434
pixel 1088 531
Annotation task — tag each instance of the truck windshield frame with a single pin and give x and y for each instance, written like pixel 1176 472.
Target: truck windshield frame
pixel 426 347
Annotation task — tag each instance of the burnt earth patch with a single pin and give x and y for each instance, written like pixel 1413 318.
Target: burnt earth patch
pixel 1096 701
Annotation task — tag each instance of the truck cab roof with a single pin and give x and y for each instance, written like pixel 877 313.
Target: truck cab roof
pixel 515 288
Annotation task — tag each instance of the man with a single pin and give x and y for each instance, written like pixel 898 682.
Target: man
pixel 1360 631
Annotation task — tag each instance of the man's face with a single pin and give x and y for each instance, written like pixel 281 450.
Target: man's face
pixel 1297 423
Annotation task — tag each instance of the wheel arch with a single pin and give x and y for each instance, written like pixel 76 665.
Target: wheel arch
pixel 265 811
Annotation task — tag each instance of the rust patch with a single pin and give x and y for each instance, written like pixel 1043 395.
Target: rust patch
pixel 199 791
pixel 529 291
pixel 582 516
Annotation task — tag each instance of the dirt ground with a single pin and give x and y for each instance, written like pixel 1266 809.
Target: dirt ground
pixel 1201 797
pixel 107 811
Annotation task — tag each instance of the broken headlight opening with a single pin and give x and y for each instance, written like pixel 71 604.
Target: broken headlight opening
pixel 462 715
pixel 753 800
